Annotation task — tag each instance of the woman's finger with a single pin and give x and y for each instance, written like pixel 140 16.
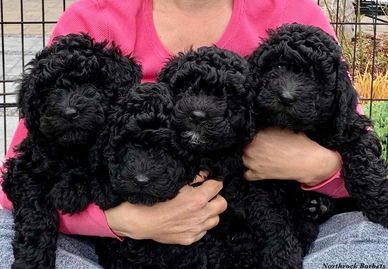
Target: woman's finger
pixel 211 223
pixel 216 206
pixel 209 189
pixel 199 236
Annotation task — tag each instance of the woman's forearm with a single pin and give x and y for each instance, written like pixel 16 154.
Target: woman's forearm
pixel 284 155
pixel 182 220
pixel 321 165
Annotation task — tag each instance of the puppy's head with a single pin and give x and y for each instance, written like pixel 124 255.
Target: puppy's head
pixel 212 106
pixel 301 79
pixel 148 172
pixel 68 87
pixel 143 157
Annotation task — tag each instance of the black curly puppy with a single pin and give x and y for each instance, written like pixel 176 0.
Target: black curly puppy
pixel 213 117
pixel 64 98
pixel 303 84
pixel 144 160
pixel 212 112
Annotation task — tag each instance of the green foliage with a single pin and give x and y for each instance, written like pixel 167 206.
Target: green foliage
pixel 379 117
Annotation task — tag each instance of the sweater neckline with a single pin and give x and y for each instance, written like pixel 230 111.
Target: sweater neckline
pixel 223 40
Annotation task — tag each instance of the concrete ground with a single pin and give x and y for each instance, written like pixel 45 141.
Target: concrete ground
pixel 32 42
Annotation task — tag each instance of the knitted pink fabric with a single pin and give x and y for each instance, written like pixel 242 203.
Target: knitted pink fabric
pixel 130 24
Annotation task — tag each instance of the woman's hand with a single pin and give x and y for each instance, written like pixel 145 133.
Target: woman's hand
pixel 283 154
pixel 182 220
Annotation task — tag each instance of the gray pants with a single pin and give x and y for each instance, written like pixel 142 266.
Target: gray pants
pixel 345 241
pixel 72 252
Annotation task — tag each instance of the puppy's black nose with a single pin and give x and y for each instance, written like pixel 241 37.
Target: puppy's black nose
pixel 286 97
pixel 142 179
pixel 198 115
pixel 71 113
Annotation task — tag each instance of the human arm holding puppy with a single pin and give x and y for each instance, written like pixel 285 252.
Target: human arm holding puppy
pixel 182 220
pixel 283 154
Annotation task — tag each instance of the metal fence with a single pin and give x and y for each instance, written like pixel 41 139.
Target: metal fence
pixel 361 27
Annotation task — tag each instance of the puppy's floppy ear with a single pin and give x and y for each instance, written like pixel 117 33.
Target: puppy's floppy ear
pixel 257 62
pixel 347 121
pixel 27 91
pixel 37 79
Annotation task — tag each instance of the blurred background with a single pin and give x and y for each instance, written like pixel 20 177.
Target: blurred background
pixel 361 27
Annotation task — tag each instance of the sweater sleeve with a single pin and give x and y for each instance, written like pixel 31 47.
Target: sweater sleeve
pixel 308 12
pixel 77 18
pixel 18 136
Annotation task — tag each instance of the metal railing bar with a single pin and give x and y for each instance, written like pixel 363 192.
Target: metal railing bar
pixel 43 25
pixel 27 22
pixel 3 75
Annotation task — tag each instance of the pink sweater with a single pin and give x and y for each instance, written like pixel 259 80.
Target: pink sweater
pixel 130 24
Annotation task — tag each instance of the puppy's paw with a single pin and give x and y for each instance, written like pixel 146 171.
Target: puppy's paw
pixel 316 207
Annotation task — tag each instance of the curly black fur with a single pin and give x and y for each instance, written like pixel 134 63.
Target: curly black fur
pixel 302 83
pixel 145 163
pixel 203 123
pixel 212 106
pixel 213 117
pixel 146 166
pixel 257 230
pixel 158 124
pixel 65 97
